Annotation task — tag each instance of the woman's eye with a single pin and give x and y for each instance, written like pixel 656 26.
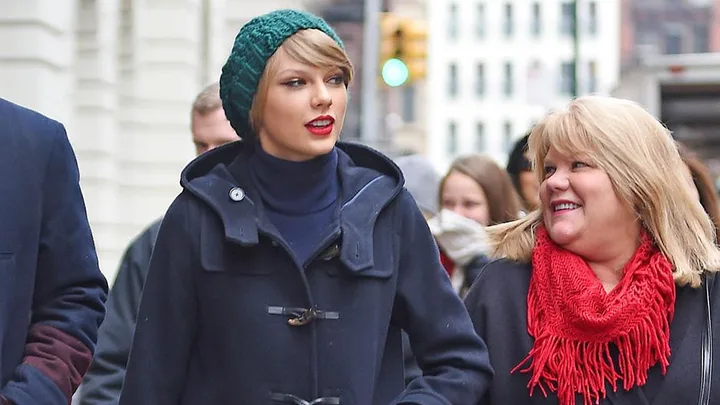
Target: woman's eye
pixel 294 83
pixel 578 165
pixel 337 79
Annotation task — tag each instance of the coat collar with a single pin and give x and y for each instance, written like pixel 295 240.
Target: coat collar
pixel 369 182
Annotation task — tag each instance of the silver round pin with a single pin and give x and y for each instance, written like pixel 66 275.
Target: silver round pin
pixel 237 194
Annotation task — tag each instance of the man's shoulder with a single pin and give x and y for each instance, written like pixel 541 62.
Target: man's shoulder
pixel 144 242
pixel 33 147
pixel 23 123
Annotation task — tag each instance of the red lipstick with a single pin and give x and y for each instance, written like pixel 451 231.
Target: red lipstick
pixel 321 126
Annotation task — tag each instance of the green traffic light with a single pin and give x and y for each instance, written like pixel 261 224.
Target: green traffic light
pixel 395 72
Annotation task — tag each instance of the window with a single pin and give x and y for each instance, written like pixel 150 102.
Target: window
pixel 592 77
pixel 453 80
pixel 673 43
pixel 536 23
pixel 701 35
pixel 537 87
pixel 645 35
pixel 507 136
pixel 452 139
pixel 508 79
pixel 480 21
pixel 567 78
pixel 567 19
pixel 453 26
pixel 592 20
pixel 480 79
pixel 480 137
pixel 508 23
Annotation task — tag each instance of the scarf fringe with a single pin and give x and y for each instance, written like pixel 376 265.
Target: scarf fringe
pixel 587 341
pixel 570 366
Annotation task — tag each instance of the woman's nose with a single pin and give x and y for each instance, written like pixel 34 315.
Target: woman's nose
pixel 458 209
pixel 322 97
pixel 558 180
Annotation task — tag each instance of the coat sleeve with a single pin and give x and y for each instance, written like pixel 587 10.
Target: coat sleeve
pixel 454 360
pixel 476 308
pixel 166 323
pixel 412 370
pixel 69 294
pixel 103 381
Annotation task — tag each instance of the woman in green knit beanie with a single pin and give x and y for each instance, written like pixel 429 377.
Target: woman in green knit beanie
pixel 287 268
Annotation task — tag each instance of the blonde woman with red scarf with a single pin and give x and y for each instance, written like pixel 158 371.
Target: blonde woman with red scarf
pixel 606 293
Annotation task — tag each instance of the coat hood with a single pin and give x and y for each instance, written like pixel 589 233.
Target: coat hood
pixel 369 182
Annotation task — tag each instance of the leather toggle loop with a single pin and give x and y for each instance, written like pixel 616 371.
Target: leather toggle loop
pixel 302 316
pixel 294 399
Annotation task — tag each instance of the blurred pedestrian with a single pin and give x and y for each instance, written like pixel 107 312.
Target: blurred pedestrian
pixel 286 269
pixel 101 386
pixel 522 176
pixel 422 181
pixel 52 292
pixel 613 274
pixel 474 193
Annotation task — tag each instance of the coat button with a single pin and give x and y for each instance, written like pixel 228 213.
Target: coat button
pixel 237 194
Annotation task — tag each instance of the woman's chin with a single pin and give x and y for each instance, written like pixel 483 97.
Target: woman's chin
pixel 562 234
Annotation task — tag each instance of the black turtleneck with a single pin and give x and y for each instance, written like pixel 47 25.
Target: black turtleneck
pixel 300 198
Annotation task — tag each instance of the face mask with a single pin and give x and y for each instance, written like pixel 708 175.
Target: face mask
pixel 460 238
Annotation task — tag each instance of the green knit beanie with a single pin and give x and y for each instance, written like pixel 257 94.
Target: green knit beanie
pixel 256 42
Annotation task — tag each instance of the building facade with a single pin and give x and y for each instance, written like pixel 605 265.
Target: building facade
pixel 121 75
pixel 652 27
pixel 496 67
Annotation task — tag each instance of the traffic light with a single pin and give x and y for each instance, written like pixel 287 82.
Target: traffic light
pixel 413 49
pixel 403 50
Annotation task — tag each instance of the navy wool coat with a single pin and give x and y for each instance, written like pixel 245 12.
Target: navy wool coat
pixel 52 292
pixel 228 315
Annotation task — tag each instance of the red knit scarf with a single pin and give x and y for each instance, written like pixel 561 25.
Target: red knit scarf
pixel 574 322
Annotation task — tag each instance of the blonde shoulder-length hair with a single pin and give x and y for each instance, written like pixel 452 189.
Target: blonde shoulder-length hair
pixel 641 158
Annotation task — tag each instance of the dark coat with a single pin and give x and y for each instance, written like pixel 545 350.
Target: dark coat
pixel 104 380
pixel 102 383
pixel 52 292
pixel 472 270
pixel 498 307
pixel 228 316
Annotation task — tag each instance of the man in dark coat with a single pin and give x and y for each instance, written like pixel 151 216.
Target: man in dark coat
pixel 210 128
pixel 52 292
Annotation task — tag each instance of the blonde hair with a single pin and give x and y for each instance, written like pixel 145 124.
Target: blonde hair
pixel 641 159
pixel 311 47
pixel 208 100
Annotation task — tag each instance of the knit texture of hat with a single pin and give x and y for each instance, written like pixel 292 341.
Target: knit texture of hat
pixel 256 42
